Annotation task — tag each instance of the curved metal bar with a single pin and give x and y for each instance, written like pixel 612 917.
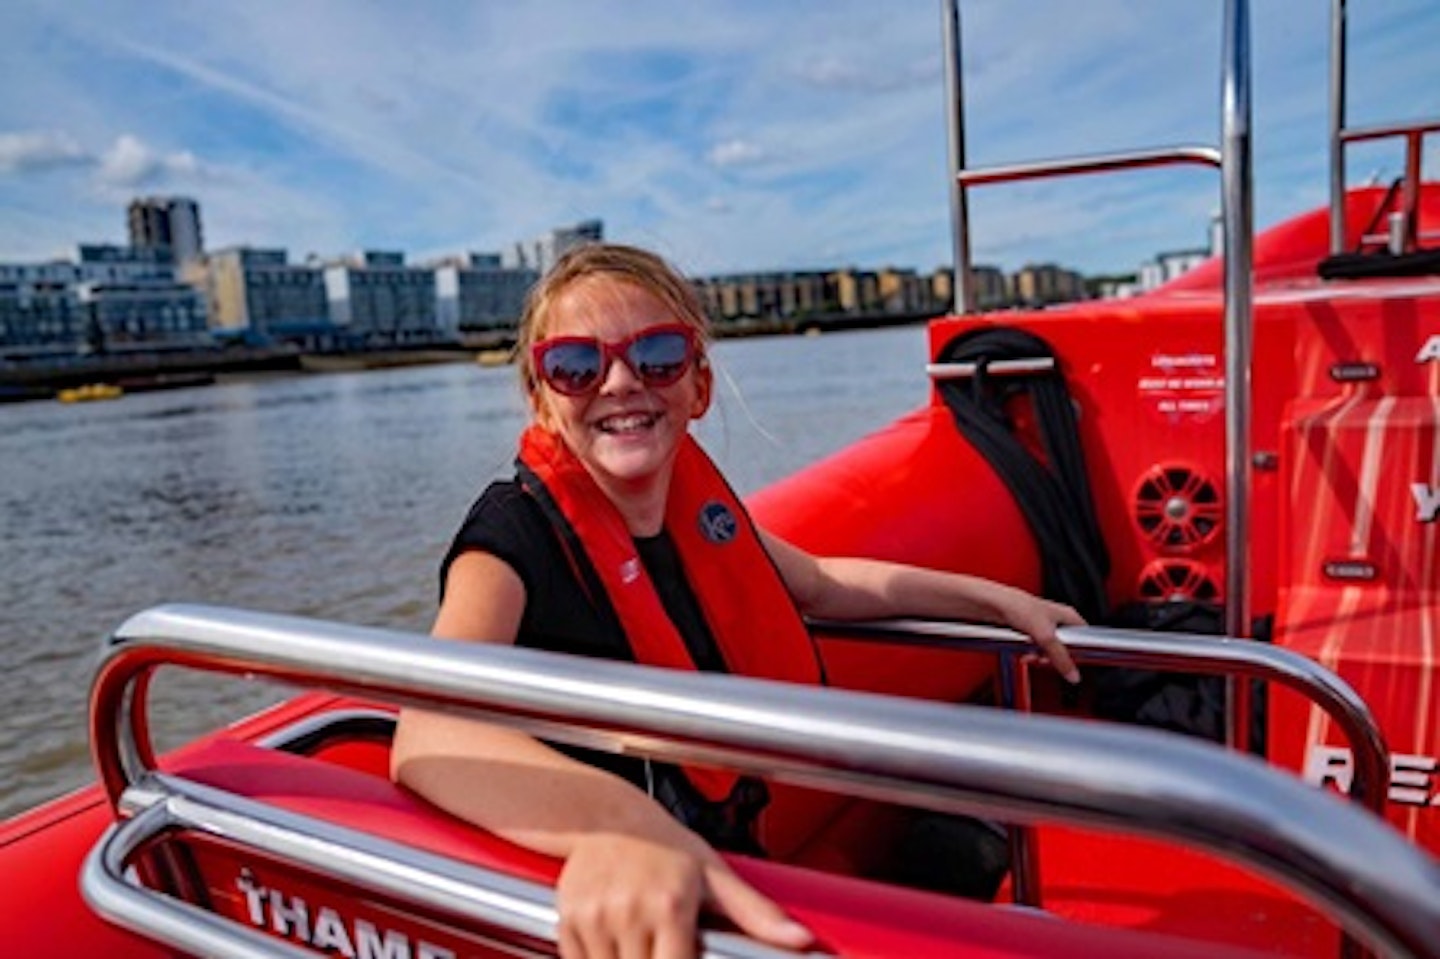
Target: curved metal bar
pixel 1020 768
pixel 1180 652
pixel 160 803
pixel 1379 131
pixel 175 923
pixel 1093 163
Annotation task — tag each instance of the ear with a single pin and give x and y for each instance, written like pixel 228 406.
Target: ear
pixel 704 387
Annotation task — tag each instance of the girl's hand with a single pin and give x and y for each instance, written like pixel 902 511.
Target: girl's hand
pixel 1039 618
pixel 630 897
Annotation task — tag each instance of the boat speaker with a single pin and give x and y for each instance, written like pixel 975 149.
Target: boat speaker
pixel 1178 580
pixel 1177 507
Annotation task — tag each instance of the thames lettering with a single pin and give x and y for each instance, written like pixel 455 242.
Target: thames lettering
pixel 290 916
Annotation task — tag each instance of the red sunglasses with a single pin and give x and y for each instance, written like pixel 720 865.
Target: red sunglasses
pixel 576 365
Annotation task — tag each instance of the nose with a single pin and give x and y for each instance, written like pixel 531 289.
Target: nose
pixel 619 377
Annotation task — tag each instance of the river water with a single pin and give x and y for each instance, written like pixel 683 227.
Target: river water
pixel 326 495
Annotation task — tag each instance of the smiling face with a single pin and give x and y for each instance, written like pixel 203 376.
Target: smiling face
pixel 624 432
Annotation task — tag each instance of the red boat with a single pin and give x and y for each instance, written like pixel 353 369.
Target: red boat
pixel 1243 462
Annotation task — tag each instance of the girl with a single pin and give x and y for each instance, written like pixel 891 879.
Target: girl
pixel 619 539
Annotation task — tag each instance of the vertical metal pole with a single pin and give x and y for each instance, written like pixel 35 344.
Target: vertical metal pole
pixel 1414 144
pixel 1337 126
pixel 1237 215
pixel 963 286
pixel 1024 846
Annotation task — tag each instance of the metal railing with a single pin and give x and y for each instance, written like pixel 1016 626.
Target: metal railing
pixel 1237 227
pixel 1404 235
pixel 1228 657
pixel 946 758
pixel 518 911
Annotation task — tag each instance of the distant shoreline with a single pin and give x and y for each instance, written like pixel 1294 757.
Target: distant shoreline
pixel 144 372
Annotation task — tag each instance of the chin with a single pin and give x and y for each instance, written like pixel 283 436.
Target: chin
pixel 630 466
pixel 633 459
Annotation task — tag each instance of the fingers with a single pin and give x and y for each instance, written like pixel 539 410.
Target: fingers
pixel 620 898
pixel 1059 657
pixel 1041 622
pixel 755 914
pixel 653 915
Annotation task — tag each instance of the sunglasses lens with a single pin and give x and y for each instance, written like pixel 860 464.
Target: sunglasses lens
pixel 571 368
pixel 660 358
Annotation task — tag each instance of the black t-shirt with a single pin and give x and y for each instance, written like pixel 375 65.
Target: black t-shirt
pixel 562 613
pixel 565 614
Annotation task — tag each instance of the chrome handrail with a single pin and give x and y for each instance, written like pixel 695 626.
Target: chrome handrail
pixel 1091 163
pixel 1170 651
pixel 1236 205
pixel 1342 135
pixel 1020 768
pixel 161 803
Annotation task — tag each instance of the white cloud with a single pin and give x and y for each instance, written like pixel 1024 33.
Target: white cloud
pixel 131 163
pixel 818 128
pixel 845 72
pixel 736 152
pixel 38 150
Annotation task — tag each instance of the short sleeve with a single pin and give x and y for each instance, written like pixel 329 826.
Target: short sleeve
pixel 559 616
pixel 507 524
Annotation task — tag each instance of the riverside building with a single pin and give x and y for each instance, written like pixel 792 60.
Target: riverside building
pixel 110 299
pixel 166 222
pixel 477 292
pixel 258 293
pixel 133 300
pixel 541 253
pixel 378 299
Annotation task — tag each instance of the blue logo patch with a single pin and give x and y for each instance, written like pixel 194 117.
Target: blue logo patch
pixel 717 523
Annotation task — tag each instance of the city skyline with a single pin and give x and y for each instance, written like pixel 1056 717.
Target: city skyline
pixel 731 139
pixel 165 291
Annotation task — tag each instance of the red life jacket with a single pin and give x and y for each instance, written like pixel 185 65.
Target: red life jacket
pixel 745 603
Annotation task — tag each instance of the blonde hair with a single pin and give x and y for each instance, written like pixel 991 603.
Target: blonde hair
pixel 629 264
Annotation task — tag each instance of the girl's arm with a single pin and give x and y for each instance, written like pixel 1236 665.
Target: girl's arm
pixel 634 879
pixel 829 587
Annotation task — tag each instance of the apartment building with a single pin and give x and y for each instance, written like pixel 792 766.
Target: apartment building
pixel 374 295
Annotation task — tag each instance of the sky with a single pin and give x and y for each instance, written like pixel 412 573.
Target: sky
pixel 728 135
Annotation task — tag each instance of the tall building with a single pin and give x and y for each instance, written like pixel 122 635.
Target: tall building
pixel 167 222
pixel 541 253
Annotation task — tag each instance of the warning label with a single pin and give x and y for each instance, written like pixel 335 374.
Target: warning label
pixel 1183 387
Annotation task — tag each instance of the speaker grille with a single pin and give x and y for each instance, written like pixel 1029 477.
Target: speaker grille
pixel 1177 508
pixel 1171 580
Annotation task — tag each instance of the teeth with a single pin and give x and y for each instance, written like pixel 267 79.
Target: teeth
pixel 625 423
